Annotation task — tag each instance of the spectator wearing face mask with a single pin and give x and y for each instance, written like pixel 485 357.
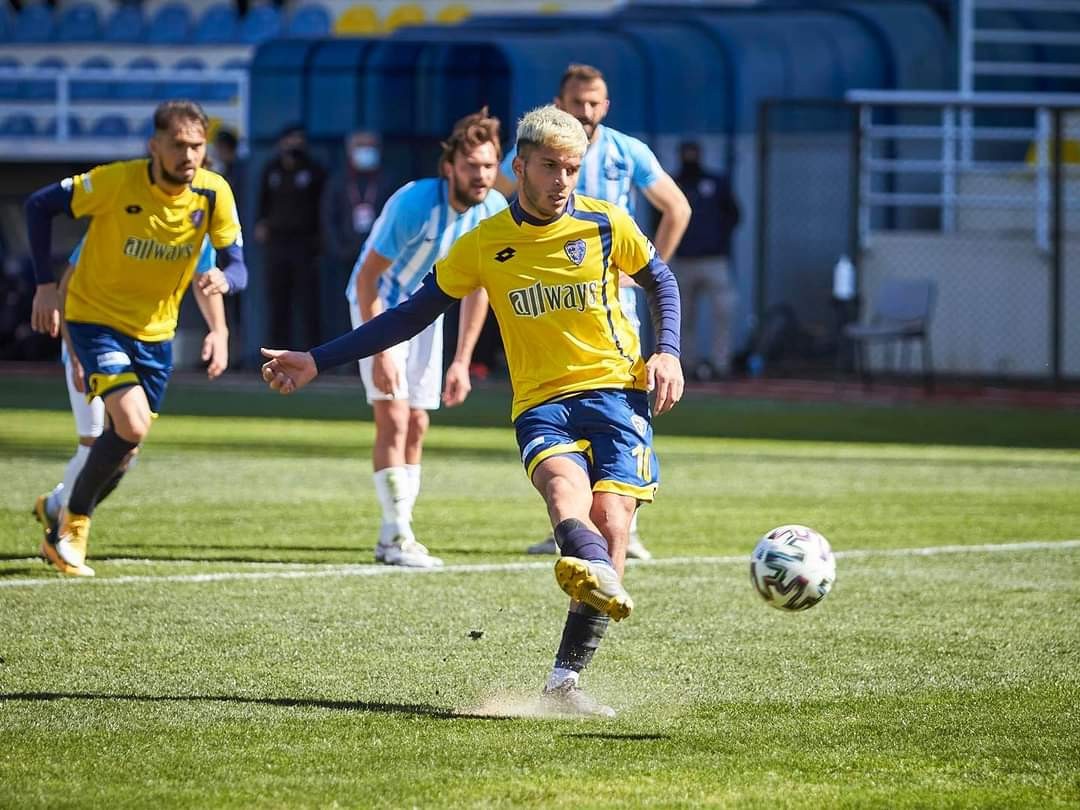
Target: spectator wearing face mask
pixel 288 227
pixel 352 199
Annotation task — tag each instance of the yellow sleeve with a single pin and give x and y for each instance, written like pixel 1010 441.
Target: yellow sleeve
pixel 631 249
pixel 458 273
pixel 224 228
pixel 93 192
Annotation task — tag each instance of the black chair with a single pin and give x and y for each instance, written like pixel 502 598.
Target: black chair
pixel 901 314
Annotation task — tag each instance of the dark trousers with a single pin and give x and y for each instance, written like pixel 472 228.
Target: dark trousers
pixel 292 289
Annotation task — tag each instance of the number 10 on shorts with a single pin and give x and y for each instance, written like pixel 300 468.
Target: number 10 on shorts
pixel 643 456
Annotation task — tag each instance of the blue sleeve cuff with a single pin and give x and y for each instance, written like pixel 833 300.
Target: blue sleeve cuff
pixel 231 262
pixel 388 329
pixel 40 208
pixel 662 291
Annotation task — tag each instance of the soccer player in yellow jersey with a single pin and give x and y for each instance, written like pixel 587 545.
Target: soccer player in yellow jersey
pixel 550 264
pixel 149 218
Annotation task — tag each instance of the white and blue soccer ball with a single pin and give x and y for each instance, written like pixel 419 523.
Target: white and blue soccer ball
pixel 792 567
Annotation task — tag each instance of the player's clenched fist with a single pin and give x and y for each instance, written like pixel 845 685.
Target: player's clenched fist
pixel 288 371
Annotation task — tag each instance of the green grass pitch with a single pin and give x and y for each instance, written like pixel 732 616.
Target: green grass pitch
pixel 237 650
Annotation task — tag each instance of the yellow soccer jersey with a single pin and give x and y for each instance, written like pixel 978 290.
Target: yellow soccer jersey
pixel 554 288
pixel 143 244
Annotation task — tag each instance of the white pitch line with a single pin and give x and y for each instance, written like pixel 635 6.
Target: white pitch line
pixel 316 570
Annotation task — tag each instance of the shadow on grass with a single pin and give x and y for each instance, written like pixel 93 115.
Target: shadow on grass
pixel 377 707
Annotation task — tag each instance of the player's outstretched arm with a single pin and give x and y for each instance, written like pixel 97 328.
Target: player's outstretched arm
pixel 287 372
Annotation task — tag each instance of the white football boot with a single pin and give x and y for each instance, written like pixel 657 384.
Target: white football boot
pixel 398 546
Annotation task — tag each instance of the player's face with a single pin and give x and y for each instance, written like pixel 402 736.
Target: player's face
pixel 587 101
pixel 177 152
pixel 472 175
pixel 546 178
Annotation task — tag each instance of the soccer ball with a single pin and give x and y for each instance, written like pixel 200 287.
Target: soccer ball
pixel 793 567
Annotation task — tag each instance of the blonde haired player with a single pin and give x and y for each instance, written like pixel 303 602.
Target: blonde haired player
pixel 551 264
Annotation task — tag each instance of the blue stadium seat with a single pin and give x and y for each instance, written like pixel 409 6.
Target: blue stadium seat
pixel 138 89
pixel 171 25
pixel 110 126
pixel 310 21
pixel 186 89
pixel 145 129
pixel 79 23
pixel 260 24
pixel 225 91
pixel 9 88
pixel 96 89
pixel 218 25
pixel 75 127
pixel 126 24
pixel 34 24
pixel 44 89
pixel 17 124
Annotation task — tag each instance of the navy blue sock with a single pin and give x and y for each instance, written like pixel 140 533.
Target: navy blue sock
pixel 575 539
pixel 582 633
pixel 105 462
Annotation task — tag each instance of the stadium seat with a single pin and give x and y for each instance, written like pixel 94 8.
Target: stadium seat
pixel 83 89
pixel 407 14
pixel 145 128
pixel 138 89
pixel 186 89
pixel 224 90
pixel 171 25
pixel 75 127
pixel 452 14
pixel 357 21
pixel 42 89
pixel 34 24
pixel 126 24
pixel 309 21
pixel 9 88
pixel 79 23
pixel 17 125
pixel 260 24
pixel 218 25
pixel 110 126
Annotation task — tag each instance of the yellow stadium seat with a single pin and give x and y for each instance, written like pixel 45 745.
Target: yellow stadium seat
pixel 452 14
pixel 407 14
pixel 357 21
pixel 550 8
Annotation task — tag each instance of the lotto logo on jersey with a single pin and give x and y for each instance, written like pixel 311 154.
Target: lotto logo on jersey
pixel 534 301
pixel 151 249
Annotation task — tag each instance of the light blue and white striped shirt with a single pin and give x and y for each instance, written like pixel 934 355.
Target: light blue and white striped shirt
pixel 613 167
pixel 416 228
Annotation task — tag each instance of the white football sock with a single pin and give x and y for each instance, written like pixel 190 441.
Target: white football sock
pixel 413 471
pixel 393 489
pixel 633 523
pixel 58 498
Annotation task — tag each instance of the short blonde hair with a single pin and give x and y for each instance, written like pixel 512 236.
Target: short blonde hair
pixel 553 128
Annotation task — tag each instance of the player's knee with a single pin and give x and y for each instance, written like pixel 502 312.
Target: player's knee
pixel 419 421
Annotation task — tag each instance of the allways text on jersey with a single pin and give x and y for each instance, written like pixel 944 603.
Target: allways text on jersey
pixel 534 301
pixel 151 249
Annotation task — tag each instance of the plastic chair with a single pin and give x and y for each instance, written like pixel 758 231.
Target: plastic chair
pixel 260 24
pixel 224 90
pixel 139 89
pixel 901 314
pixel 357 21
pixel 310 21
pixel 452 14
pixel 408 14
pixel 75 127
pixel 83 89
pixel 79 23
pixel 218 25
pixel 17 124
pixel 171 25
pixel 126 24
pixel 188 88
pixel 9 88
pixel 42 89
pixel 33 24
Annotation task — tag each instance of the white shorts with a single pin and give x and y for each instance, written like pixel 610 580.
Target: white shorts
pixel 89 416
pixel 419 360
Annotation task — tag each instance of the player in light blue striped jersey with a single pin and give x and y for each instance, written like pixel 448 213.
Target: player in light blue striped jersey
pixel 614 168
pixel 415 229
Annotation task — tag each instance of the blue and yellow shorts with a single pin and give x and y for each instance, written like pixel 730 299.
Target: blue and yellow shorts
pixel 111 360
pixel 607 432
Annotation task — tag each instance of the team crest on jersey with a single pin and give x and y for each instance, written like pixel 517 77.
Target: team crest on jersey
pixel 197 217
pixel 575 251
